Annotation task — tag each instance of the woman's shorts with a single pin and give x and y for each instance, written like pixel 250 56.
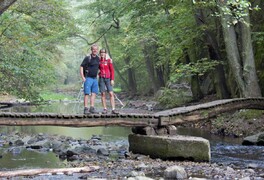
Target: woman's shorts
pixel 105 85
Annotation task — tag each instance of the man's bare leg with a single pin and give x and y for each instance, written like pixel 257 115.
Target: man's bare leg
pixel 85 100
pixel 92 99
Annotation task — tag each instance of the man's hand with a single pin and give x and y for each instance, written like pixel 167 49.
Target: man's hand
pixel 83 79
pixel 112 82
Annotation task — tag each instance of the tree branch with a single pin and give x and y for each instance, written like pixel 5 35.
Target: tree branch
pixel 5 4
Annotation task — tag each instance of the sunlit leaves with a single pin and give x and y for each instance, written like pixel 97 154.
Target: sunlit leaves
pixel 30 31
pixel 199 68
pixel 236 9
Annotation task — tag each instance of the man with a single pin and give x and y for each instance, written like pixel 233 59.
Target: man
pixel 88 71
pixel 106 81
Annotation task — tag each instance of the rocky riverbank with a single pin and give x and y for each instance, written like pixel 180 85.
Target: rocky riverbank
pixel 116 162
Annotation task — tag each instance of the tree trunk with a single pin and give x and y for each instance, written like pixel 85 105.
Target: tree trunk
pixel 132 86
pixel 219 74
pixel 160 76
pixel 214 53
pixel 150 68
pixel 195 85
pixel 241 63
pixel 5 4
pixel 252 88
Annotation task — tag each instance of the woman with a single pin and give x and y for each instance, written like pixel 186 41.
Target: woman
pixel 106 80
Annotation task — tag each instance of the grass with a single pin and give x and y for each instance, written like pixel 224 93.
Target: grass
pixel 117 90
pixel 55 96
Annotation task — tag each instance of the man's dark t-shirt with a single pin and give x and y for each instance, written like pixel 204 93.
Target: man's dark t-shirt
pixel 91 67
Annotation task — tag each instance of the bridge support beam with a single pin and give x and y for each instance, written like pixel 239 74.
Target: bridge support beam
pixel 171 147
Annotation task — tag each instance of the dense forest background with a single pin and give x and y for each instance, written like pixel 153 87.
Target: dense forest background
pixel 174 50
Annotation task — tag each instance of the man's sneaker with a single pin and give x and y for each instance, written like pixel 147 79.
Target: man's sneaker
pixel 86 111
pixel 115 111
pixel 92 110
pixel 104 111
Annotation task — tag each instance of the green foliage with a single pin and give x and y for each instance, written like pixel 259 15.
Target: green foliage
pixel 249 114
pixel 237 9
pixel 55 96
pixel 202 66
pixel 30 31
pixel 170 98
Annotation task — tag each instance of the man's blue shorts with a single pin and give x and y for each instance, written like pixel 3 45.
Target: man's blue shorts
pixel 90 86
pixel 105 85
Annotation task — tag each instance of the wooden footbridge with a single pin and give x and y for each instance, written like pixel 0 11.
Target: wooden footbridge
pixel 174 116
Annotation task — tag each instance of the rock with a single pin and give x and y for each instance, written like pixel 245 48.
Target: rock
pixel 175 172
pixel 32 140
pixel 136 173
pixel 15 150
pixel 148 130
pixel 171 147
pixel 230 170
pixel 139 178
pixel 253 165
pixel 84 150
pixel 162 131
pixel 257 139
pixel 245 178
pixel 260 141
pixel 103 151
pixel 19 142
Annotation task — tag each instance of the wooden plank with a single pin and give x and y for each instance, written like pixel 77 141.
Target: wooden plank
pixel 32 172
pixel 77 122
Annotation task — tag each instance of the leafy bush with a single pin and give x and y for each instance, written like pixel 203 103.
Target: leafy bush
pixel 170 98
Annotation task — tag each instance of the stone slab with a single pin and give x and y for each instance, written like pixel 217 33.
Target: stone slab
pixel 171 147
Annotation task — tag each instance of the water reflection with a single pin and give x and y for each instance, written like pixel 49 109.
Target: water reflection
pixel 108 133
pixel 64 107
pixel 30 159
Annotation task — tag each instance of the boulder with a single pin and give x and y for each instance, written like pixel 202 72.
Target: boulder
pixel 171 147
pixel 257 139
pixel 175 172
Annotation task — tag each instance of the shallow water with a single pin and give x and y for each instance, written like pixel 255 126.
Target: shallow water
pixel 227 150
pixel 223 149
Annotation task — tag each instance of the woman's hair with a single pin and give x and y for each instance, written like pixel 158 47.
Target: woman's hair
pixel 106 54
pixel 103 50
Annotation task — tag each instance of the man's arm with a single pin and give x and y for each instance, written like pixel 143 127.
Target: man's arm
pixel 81 73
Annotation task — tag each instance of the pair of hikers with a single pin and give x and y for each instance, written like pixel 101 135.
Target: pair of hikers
pixel 89 71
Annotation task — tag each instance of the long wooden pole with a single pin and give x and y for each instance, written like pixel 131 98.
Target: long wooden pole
pixel 32 172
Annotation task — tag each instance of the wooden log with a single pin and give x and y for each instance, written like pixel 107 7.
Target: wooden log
pixel 12 121
pixel 32 172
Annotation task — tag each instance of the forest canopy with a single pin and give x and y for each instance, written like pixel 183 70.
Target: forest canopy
pixel 211 47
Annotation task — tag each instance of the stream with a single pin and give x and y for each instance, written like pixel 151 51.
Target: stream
pixel 224 150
